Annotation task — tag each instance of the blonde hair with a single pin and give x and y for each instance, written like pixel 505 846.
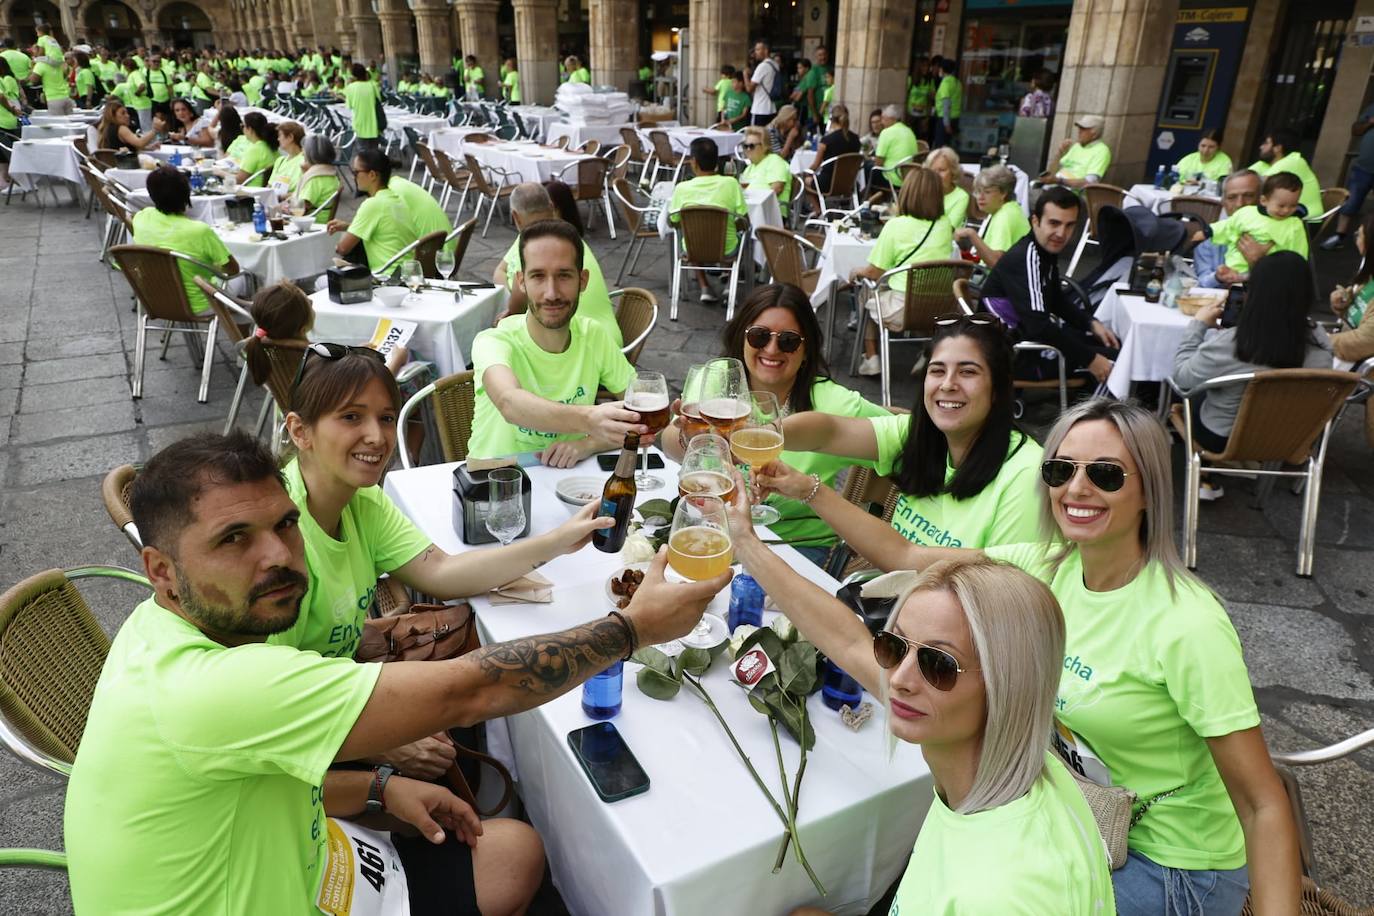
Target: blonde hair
pixel 949 155
pixel 757 133
pixel 1018 637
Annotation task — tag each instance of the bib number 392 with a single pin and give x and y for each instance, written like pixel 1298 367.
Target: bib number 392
pixel 362 875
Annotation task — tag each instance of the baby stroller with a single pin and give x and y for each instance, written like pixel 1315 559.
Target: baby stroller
pixel 1122 235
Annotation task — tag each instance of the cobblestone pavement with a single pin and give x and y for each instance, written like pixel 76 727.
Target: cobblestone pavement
pixel 66 417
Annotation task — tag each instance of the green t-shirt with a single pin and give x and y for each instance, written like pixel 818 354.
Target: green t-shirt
pixel 1311 196
pixel 723 86
pixel 1038 854
pixel 512 84
pixel 476 79
pixel 287 170
pixel 1006 227
pixel 256 156
pixel 385 226
pixel 799 522
pixel 85 82
pixel 1006 512
pixel 1260 168
pixel 1288 234
pixel 361 98
pixel 898 244
pixel 160 85
pixel 9 88
pixel 1083 161
pixel 711 191
pixel 19 62
pixel 237 148
pixel 203 87
pixel 1148 676
pixel 50 47
pixel 197 788
pixel 1216 170
pixel 595 301
pixel 316 191
pixel 136 91
pixel 188 236
pixel 956 206
pixel 581 75
pixel 425 212
pixel 950 88
pixel 54 80
pixel 918 94
pixel 374 538
pixel 572 377
pixel 736 104
pixel 895 144
pixel 768 170
pixel 253 89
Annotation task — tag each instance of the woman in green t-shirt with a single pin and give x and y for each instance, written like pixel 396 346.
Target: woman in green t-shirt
pixel 1006 222
pixel 766 168
pixel 965 472
pixel 287 169
pixel 967 666
pixel 11 108
pixel 261 153
pixel 944 162
pixel 319 179
pixel 1208 161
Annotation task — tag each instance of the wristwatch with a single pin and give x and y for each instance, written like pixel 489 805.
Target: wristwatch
pixel 376 802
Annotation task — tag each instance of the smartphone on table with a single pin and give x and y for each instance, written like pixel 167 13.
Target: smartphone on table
pixel 607 461
pixel 606 759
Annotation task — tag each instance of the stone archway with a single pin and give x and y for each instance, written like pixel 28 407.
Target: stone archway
pixel 114 24
pixel 185 25
pixel 21 16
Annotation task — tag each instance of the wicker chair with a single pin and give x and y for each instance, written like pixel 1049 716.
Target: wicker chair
pixel 114 492
pixel 1095 196
pixel 929 294
pixel 618 159
pixel 664 158
pixel 590 181
pixel 590 148
pixel 641 228
pixel 561 142
pixel 461 237
pixel 1332 199
pixel 455 401
pixel 1207 209
pixel 844 182
pixel 426 247
pixel 1284 419
pixel 876 495
pixel 157 284
pixel 699 244
pixel 486 191
pixel 639 156
pixel 454 175
pixel 103 158
pixel 636 313
pixel 434 175
pixel 237 324
pixel 390 598
pixel 51 652
pixel 327 208
pixel 786 254
pixel 119 227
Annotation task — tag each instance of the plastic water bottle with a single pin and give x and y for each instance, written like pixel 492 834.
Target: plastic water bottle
pixel 176 159
pixel 839 689
pixel 1159 177
pixel 259 219
pixel 601 692
pixel 746 602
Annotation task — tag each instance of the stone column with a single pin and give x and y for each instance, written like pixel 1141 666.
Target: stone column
pixel 69 14
pixel 480 39
pixel 1262 42
pixel 871 63
pixel 367 33
pixel 614 44
pixel 335 14
pixel 277 23
pixel 302 25
pixel 719 35
pixel 431 29
pixel 396 38
pixel 536 49
pixel 1114 66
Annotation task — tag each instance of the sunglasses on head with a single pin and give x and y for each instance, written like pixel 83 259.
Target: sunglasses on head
pixel 1107 476
pixel 758 337
pixel 949 321
pixel 328 351
pixel 938 667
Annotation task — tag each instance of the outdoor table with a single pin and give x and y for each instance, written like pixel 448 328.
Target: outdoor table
pixel 450 139
pixel 841 254
pixel 1150 335
pixel 444 329
pixel 1022 192
pixel 537 117
pixel 578 134
pixel 1158 199
pixel 423 125
pixel 35 159
pixel 207 208
pixel 164 152
pixel 524 160
pixel 271 261
pixel 84 117
pixel 703 834
pixel 57 129
pixel 727 141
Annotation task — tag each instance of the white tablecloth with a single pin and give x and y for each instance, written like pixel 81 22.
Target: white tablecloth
pixel 207 208
pixel 83 117
pixel 62 129
pixel 537 117
pixel 578 134
pixel 1150 334
pixel 1022 182
pixel 298 257
pixel 445 327
pixel 32 159
pixel 525 161
pixel 164 153
pixel 450 139
pixel 841 254
pixel 1157 199
pixel 703 838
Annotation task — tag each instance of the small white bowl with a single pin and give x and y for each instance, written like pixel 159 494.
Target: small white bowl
pixel 302 223
pixel 576 492
pixel 390 296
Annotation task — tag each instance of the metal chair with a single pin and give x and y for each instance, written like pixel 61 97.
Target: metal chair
pixel 461 237
pixel 560 142
pixel 1285 418
pixel 1095 197
pixel 486 191
pixel 929 294
pixel 426 247
pixel 591 148
pixel 114 493
pixel 328 207
pixel 1332 199
pixel 639 156
pixel 454 175
pixel 155 277
pixel 51 652
pixel 1206 209
pixel 618 161
pixel 664 158
pixel 590 181
pixel 699 236
pixel 238 325
pixel 455 402
pixel 641 221
pixel 636 313
pixel 844 181
pixel 786 253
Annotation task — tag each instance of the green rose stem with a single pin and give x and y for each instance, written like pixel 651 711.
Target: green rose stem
pixel 788 825
pixel 794 803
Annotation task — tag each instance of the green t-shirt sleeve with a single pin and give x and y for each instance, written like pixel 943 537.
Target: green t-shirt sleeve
pixel 1031 557
pixel 512 260
pixel 365 221
pixel 489 348
pixel 1006 227
pixel 1018 501
pixel 209 247
pixel 886 140
pixel 891 432
pixel 392 539
pixel 1225 231
pixel 1205 674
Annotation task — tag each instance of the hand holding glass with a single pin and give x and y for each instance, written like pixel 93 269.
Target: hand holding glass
pixel 757 442
pixel 506 504
pixel 647 395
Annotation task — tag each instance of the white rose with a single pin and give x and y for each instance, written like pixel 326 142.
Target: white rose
pixel 636 549
pixel 740 635
pixel 786 629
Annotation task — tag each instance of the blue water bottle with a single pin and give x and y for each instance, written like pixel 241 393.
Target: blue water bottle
pixel 839 689
pixel 746 602
pixel 259 219
pixel 601 692
pixel 176 159
pixel 1159 177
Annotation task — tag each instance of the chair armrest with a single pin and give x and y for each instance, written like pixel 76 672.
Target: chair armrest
pixel 1217 382
pixel 217 272
pixel 1326 754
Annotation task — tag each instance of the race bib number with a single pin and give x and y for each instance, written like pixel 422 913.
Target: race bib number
pixel 391 333
pixel 362 874
pixel 1079 757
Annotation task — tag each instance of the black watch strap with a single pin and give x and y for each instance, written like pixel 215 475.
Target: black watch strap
pixel 376 802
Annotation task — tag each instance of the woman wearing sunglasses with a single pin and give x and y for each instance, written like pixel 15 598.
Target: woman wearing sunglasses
pixel 966 474
pixel 766 168
pixel 967 666
pixel 1154 692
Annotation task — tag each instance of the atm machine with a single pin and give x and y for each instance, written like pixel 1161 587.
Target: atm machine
pixel 1201 75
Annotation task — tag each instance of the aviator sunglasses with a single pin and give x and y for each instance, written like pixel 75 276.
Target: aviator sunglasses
pixel 328 351
pixel 938 667
pixel 758 337
pixel 1107 476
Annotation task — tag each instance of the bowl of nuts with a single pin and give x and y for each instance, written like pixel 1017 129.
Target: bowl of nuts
pixel 621 587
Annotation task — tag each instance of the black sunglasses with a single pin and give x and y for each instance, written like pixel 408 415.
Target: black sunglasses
pixel 758 337
pixel 329 351
pixel 938 667
pixel 1107 476
pixel 749 146
pixel 947 321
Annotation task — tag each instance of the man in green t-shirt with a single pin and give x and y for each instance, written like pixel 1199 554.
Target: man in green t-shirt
pixel 166 225
pixel 537 374
pixel 811 87
pixel 896 144
pixel 204 783
pixel 474 82
pixel 1279 153
pixel 383 224
pixel 949 103
pixel 361 96
pixel 1085 161
pixel 19 62
pixel 510 83
pixel 708 188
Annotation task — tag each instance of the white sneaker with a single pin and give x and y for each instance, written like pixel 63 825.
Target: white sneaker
pixel 853 322
pixel 709 297
pixel 871 365
pixel 1210 492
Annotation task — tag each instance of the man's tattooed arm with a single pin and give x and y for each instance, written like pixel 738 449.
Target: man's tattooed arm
pixel 538 668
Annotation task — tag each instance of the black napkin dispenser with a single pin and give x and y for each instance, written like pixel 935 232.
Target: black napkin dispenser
pixel 471 504
pixel 349 285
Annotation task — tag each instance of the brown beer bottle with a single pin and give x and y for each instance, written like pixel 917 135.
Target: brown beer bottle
pixel 618 499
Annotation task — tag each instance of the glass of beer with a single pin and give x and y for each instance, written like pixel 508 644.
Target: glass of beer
pixel 699 545
pixel 757 441
pixel 706 469
pixel 690 423
pixel 647 395
pixel 724 400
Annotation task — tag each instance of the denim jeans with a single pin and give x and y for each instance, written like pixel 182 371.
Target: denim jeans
pixel 1357 182
pixel 1145 888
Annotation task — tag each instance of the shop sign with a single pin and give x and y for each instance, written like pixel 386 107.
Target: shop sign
pixel 1165 140
pixel 1217 14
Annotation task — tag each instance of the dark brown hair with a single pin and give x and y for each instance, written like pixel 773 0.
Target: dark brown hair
pixel 922 194
pixel 283 312
pixel 329 383
pixel 789 297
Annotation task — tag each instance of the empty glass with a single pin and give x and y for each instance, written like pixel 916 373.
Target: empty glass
pixel 506 504
pixel 413 276
pixel 445 263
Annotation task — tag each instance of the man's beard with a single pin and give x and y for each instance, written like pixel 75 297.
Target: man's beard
pixel 228 621
pixel 560 324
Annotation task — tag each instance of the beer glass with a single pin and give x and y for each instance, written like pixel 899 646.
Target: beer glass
pixel 725 396
pixel 706 469
pixel 690 423
pixel 757 441
pixel 647 395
